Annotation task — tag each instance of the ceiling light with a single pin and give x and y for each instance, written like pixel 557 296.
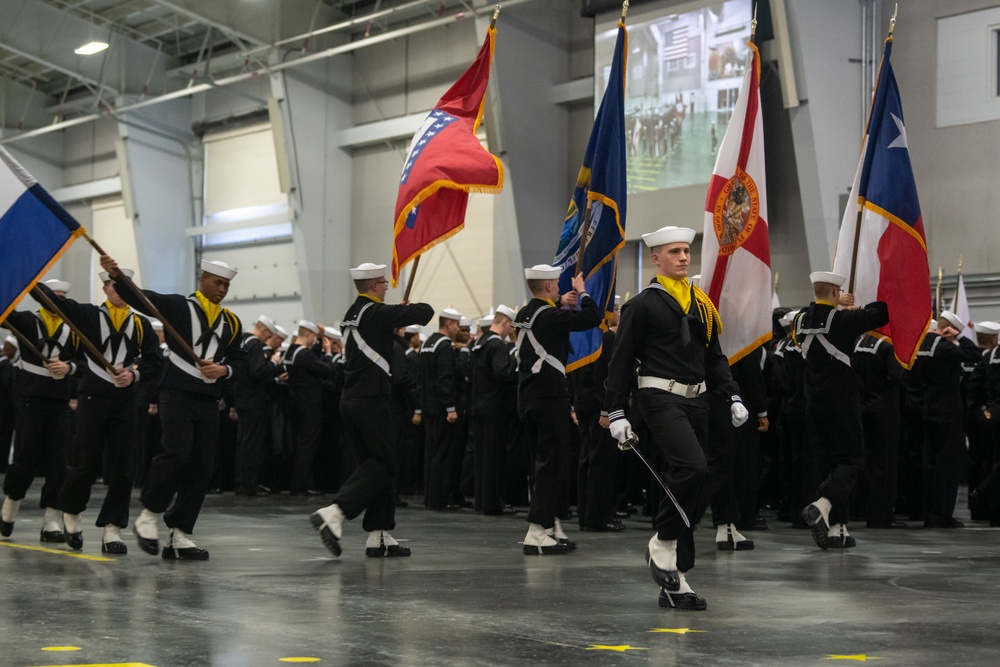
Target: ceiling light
pixel 91 48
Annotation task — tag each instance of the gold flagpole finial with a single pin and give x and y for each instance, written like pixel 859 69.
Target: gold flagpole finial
pixel 959 263
pixel 753 23
pixel 775 280
pixel 624 9
pixel 892 21
pixel 496 13
pixel 626 297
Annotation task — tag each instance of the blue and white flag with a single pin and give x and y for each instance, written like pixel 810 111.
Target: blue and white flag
pixel 34 232
pixel 601 183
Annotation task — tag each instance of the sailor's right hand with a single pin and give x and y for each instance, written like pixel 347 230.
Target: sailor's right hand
pixel 621 430
pixel 109 264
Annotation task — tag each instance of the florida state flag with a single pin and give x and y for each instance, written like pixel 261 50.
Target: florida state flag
pixel 736 252
pixel 446 162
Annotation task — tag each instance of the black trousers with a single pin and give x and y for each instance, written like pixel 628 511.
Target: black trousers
pixel 545 425
pixel 6 433
pixel 721 450
pixel 596 473
pixel 796 470
pixel 40 438
pixel 881 465
pixel 836 442
pixel 371 487
pixel 104 439
pixel 437 458
pixel 307 415
pixel 679 428
pixel 489 426
pixel 746 472
pixel 183 469
pixel 944 447
pixel 253 433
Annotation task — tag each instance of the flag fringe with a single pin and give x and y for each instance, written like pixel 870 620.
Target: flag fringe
pixel 74 235
pixel 750 348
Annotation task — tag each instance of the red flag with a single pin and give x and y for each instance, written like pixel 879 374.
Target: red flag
pixel 446 162
pixel 736 251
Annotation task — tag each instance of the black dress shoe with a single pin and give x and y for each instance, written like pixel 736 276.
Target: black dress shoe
pixel 452 507
pixel 54 536
pixel 149 545
pixel 667 579
pixel 566 542
pixel 558 549
pixel 609 527
pixel 116 548
pixel 730 545
pixel 401 503
pixel 842 542
pixel 74 540
pixel 951 522
pixel 6 528
pixel 508 510
pixel 891 524
pixel 188 553
pixel 820 530
pixel 682 601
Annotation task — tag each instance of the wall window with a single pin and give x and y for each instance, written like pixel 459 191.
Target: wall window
pixel 968 68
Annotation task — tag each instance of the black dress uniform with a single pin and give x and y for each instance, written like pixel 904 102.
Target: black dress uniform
pixel 307 370
pixel 180 475
pixel 833 400
pixel 253 398
pixel 366 409
pixel 6 409
pixel 105 414
pixel 543 406
pixel 678 357
pixel 798 475
pixel 437 399
pixel 875 363
pixel 988 491
pixel 596 471
pixel 493 371
pixel 939 369
pixel 43 414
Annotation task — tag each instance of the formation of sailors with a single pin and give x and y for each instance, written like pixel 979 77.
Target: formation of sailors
pixel 490 419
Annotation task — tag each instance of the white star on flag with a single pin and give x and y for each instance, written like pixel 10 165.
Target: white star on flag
pixel 900 141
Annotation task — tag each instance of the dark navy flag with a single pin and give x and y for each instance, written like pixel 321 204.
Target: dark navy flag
pixel 34 232
pixel 886 226
pixel 601 183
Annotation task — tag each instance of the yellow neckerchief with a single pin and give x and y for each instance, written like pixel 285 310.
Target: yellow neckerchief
pixel 679 289
pixel 369 296
pixel 51 322
pixel 548 301
pixel 212 310
pixel 118 315
pixel 824 302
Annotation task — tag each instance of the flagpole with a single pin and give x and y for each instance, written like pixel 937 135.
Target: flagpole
pixel 958 281
pixel 413 273
pixel 496 13
pixel 861 206
pixel 938 296
pixel 24 341
pixel 148 305
pixel 54 309
pixel 753 24
pixel 586 215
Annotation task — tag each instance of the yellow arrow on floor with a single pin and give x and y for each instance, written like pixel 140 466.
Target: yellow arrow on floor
pixel 675 631
pixel 619 649
pixel 856 658
pixel 58 552
pixel 105 664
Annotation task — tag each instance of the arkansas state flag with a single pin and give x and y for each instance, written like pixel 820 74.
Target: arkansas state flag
pixel 34 232
pixel 736 252
pixel 445 163
pixel 882 247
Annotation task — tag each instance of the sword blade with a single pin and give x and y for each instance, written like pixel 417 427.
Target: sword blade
pixel 632 442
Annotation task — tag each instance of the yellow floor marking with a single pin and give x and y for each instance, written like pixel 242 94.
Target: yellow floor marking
pixel 856 658
pixel 298 659
pixel 676 631
pixel 58 552
pixel 619 649
pixel 61 648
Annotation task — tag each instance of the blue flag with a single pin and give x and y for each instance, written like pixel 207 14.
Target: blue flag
pixel 34 232
pixel 601 184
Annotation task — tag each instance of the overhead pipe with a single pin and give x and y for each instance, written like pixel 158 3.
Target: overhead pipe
pixel 227 81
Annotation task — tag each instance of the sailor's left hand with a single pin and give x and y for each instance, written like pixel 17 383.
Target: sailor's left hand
pixel 740 414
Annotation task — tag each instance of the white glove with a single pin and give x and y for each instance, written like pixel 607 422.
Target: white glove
pixel 740 413
pixel 621 430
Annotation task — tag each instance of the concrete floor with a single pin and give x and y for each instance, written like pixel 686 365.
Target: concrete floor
pixel 468 596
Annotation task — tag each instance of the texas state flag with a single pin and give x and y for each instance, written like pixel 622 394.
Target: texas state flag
pixel 446 162
pixel 882 248
pixel 34 232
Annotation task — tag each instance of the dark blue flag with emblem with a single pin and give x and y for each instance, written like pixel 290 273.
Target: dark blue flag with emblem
pixel 595 221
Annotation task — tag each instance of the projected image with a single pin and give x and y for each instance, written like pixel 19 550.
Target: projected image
pixel 683 76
